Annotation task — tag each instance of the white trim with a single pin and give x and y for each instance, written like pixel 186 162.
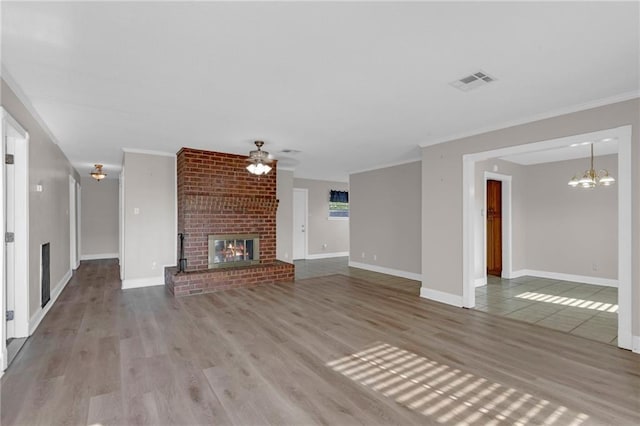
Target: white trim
pixel 388 271
pixel 175 213
pixel 440 296
pixel 149 152
pixel 468 238
pixel 21 229
pixel 623 133
pixel 99 256
pixel 6 76
pixel 79 224
pixel 121 220
pixel 21 151
pixel 327 255
pixel 337 218
pixel 479 282
pixel 3 281
pixel 636 344
pixel 538 117
pixel 625 247
pixel 37 317
pixel 607 282
pixel 142 282
pixel 388 165
pixel 73 224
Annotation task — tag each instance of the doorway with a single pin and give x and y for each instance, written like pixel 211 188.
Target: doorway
pixel 14 297
pixel 494 227
pixel 300 214
pixel 623 136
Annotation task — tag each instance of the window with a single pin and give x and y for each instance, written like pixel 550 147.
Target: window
pixel 338 204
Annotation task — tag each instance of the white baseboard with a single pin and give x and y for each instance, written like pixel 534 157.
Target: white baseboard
pixel 388 271
pixel 479 282
pixel 607 282
pixel 142 282
pixel 636 344
pixel 327 255
pixel 36 318
pixel 442 297
pixel 99 256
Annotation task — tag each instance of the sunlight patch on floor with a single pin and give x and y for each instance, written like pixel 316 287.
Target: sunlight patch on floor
pixel 569 301
pixel 448 394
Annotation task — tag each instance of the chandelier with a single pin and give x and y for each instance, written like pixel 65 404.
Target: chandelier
pixel 259 160
pixel 591 178
pixel 97 173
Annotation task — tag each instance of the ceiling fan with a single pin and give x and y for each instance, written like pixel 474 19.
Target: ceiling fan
pixel 259 160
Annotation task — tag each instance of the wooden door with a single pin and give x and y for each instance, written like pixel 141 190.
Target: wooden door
pixel 494 227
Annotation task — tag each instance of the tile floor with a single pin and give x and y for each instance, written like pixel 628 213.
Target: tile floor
pixel 585 310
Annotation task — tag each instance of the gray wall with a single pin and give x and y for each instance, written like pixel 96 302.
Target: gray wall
pixel 150 237
pixel 442 186
pixel 519 213
pixel 569 230
pixel 284 215
pixel 100 204
pixel 321 230
pixel 48 210
pixel 385 217
pixel 555 228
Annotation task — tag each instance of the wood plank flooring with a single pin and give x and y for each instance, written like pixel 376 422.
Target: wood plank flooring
pixel 334 350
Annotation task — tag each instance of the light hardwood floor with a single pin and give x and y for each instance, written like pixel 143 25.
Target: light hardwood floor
pixel 334 350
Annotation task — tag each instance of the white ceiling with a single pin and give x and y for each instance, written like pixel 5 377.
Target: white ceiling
pixel 353 86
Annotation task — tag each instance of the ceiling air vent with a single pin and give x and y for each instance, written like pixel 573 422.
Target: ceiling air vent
pixel 473 81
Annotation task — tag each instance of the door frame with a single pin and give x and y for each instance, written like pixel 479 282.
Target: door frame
pixel 625 264
pixel 73 225
pixel 304 191
pixel 21 242
pixel 507 269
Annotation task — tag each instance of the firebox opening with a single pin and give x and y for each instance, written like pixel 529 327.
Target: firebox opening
pixel 227 251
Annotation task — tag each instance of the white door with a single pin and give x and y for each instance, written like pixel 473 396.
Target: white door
pixel 299 223
pixel 9 226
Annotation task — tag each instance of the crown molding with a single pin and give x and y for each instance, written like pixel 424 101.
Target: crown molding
pixel 148 152
pixel 15 87
pixel 551 114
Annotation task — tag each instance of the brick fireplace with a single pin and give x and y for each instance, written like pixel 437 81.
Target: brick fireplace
pixel 218 198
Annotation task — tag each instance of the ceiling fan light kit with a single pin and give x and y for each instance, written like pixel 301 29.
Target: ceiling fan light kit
pixel 259 160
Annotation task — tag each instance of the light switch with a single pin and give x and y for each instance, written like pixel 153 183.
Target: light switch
pixel 136 210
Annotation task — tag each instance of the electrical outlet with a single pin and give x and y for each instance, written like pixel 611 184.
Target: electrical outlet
pixel 363 255
pixel 375 257
pixel 594 267
pixel 324 246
